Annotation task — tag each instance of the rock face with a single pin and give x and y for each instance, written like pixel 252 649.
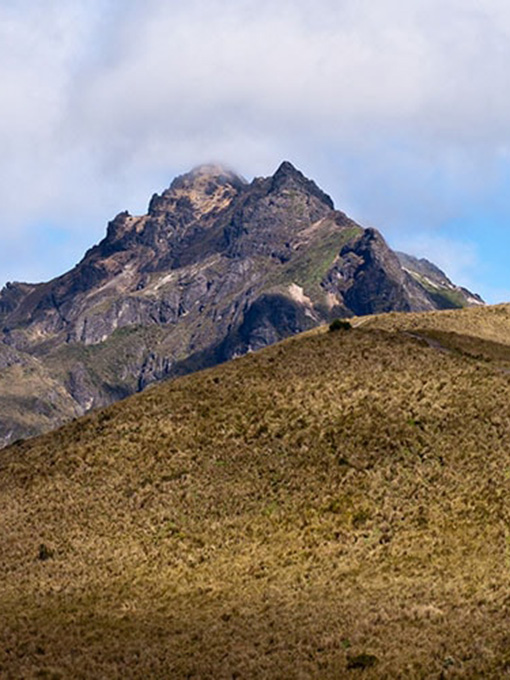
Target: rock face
pixel 216 268
pixel 444 293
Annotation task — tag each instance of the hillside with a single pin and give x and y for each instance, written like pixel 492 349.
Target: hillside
pixel 217 267
pixel 332 506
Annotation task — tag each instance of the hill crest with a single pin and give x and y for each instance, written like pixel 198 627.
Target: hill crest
pixel 331 505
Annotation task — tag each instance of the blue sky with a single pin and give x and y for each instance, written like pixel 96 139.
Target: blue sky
pixel 400 111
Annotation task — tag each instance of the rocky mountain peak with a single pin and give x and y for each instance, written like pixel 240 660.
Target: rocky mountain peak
pixel 206 188
pixel 210 171
pixel 287 169
pixel 217 268
pixel 289 177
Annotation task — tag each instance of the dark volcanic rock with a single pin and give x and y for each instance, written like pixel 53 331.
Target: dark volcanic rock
pixel 287 177
pixel 371 280
pixel 268 319
pixel 216 268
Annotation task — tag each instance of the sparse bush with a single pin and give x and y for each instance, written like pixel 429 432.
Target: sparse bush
pixel 339 325
pixel 360 517
pixel 45 553
pixel 361 661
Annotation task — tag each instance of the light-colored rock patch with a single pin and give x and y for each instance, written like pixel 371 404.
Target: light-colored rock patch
pixel 297 294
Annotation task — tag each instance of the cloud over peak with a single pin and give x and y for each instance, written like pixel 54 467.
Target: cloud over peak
pixel 103 99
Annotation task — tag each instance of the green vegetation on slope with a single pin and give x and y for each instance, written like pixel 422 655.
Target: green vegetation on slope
pixel 31 399
pixel 107 362
pixel 311 266
pixel 331 506
pixel 443 297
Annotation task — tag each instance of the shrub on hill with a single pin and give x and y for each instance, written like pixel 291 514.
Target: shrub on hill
pixel 339 325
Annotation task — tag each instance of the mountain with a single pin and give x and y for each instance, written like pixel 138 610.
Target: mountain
pixel 216 268
pixel 444 293
pixel 332 506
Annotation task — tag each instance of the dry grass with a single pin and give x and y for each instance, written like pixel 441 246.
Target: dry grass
pixel 486 323
pixel 336 501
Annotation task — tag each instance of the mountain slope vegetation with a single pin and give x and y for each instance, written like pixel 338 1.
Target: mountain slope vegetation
pixel 332 506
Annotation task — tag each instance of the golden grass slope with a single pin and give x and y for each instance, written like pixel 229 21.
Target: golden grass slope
pixel 487 323
pixel 333 506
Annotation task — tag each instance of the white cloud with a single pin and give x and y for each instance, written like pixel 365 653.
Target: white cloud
pixel 428 68
pixel 400 109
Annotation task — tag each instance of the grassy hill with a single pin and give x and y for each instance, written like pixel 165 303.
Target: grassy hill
pixel 333 506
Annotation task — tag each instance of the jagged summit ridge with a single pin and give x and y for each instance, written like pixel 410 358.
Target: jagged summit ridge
pixel 216 267
pixel 288 176
pixel 206 187
pixel 212 170
pixel 207 178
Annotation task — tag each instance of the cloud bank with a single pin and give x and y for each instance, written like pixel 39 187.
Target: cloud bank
pixel 400 111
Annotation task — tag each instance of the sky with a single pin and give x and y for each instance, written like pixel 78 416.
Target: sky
pixel 400 111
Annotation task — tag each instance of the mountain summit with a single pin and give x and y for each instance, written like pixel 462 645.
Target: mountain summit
pixel 217 267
